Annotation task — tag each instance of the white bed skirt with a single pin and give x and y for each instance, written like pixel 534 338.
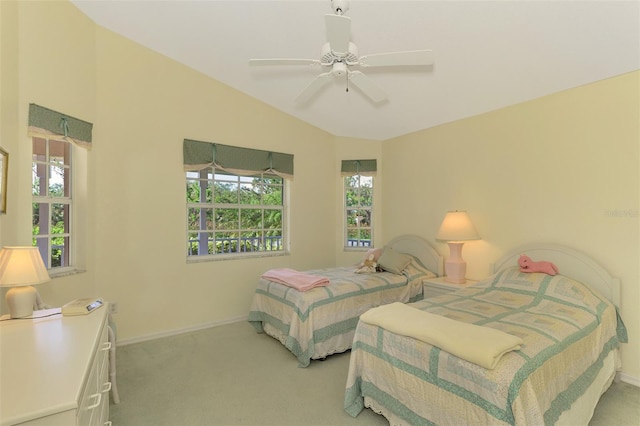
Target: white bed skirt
pixel 582 410
pixel 333 345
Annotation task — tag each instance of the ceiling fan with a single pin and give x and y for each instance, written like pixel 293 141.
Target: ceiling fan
pixel 340 55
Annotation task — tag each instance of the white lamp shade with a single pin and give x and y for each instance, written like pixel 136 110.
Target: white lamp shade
pixel 457 226
pixel 21 266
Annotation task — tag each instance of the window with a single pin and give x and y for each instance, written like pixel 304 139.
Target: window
pixel 358 191
pixel 235 200
pixel 234 213
pixel 358 202
pixel 52 201
pixel 54 138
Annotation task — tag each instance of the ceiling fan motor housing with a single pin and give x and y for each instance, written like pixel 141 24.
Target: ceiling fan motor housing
pixel 329 57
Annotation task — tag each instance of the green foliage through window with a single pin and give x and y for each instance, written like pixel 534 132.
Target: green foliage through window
pixel 229 213
pixel 358 192
pixel 51 201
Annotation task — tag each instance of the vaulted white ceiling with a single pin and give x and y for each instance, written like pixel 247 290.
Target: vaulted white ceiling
pixel 488 54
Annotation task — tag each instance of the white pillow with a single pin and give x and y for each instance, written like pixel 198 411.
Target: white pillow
pixel 414 269
pixel 392 261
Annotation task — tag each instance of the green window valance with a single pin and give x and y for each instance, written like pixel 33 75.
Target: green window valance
pixel 359 167
pixel 47 123
pixel 199 155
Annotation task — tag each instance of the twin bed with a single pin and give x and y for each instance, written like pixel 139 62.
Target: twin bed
pixel 567 329
pixel 319 322
pixel 569 334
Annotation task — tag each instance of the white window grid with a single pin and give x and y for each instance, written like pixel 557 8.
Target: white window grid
pixel 46 240
pixel 358 233
pixel 247 241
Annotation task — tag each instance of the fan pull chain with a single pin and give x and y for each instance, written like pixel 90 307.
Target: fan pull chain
pixel 347 77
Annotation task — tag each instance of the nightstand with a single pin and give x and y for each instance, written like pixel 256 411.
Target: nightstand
pixel 438 286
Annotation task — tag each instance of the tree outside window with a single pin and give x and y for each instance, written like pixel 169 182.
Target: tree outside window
pixel 231 214
pixel 358 213
pixel 52 201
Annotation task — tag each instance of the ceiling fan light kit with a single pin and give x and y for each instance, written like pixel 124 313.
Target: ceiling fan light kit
pixel 341 54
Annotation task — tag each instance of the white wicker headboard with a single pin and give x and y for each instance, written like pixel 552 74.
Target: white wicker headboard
pixel 420 248
pixel 571 263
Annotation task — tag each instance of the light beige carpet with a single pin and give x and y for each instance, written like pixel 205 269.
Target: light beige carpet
pixel 230 375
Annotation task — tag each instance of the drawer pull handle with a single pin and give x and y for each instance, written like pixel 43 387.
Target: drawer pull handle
pixel 98 397
pixel 106 387
pixel 106 346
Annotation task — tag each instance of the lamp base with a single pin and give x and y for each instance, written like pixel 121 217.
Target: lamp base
pixel 20 301
pixel 455 267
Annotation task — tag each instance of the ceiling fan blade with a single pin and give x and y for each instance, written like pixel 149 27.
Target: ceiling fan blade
pixel 368 87
pixel 314 87
pixel 260 62
pixel 410 58
pixel 338 32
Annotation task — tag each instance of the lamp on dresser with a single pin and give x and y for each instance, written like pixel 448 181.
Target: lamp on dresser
pixel 456 228
pixel 20 269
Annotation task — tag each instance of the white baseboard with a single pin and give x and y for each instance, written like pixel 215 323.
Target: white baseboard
pixel 174 332
pixel 624 377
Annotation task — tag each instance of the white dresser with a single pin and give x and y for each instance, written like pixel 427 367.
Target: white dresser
pixel 55 370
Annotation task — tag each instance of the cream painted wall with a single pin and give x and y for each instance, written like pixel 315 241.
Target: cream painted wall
pixel 8 100
pixel 354 149
pixel 146 105
pixel 143 105
pixel 562 169
pixel 49 59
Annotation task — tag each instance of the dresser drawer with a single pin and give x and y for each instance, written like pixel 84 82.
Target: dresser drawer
pixel 95 395
pixel 62 365
pixel 100 414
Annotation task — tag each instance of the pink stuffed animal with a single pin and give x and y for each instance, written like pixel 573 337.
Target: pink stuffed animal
pixel 528 265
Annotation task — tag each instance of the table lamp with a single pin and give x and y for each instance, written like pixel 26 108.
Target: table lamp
pixel 456 228
pixel 20 268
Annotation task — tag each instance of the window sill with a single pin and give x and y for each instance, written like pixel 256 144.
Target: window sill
pixel 356 249
pixel 66 272
pixel 221 257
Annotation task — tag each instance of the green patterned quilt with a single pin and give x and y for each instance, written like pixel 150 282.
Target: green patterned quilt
pixel 321 321
pixel 567 329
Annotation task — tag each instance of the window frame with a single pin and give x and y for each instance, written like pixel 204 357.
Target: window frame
pixel 69 201
pixel 211 175
pixel 359 206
